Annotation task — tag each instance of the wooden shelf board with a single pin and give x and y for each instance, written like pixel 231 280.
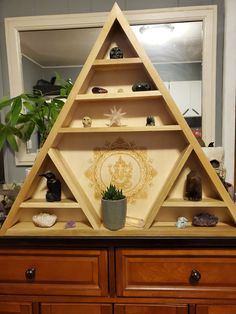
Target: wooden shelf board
pixel 41 203
pixel 120 129
pixel 118 62
pixel 114 96
pixel 207 202
pixel 159 229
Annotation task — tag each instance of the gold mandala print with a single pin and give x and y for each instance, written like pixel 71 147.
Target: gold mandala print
pixel 123 164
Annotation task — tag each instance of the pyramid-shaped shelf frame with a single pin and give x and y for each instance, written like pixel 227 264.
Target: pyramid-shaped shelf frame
pixel 149 163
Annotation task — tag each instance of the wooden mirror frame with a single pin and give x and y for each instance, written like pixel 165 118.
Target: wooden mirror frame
pixel 206 14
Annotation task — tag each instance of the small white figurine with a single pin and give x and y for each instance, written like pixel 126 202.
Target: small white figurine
pixel 87 122
pixel 181 222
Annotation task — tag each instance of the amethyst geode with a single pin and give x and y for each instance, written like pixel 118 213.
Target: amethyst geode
pixel 205 220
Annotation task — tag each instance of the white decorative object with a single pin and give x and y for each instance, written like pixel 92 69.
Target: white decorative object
pixel 115 116
pixel 44 220
pixel 214 153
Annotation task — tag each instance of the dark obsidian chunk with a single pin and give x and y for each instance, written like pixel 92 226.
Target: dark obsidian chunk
pixel 141 86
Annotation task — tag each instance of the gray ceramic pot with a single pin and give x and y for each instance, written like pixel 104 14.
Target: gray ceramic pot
pixel 114 213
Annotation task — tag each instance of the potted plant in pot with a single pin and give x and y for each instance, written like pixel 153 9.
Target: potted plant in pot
pixel 28 112
pixel 114 208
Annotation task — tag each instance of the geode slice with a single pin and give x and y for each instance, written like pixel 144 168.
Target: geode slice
pixel 204 220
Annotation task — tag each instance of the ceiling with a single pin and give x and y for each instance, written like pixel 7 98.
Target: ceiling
pixel 164 43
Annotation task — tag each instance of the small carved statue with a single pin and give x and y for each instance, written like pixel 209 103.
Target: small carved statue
pixel 150 121
pixel 87 122
pixel 54 187
pixel 116 53
pixel 193 190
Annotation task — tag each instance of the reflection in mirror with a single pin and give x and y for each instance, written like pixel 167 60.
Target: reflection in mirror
pixel 175 49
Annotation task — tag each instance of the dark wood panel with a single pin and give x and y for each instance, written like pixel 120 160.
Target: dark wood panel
pixel 80 272
pixel 172 273
pixel 69 308
pixel 15 308
pixel 150 309
pixel 215 309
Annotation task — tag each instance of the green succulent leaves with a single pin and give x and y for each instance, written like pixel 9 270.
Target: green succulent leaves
pixel 112 193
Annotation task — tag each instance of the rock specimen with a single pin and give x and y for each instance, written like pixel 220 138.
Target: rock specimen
pixel 98 90
pixel 141 86
pixel 44 220
pixel 204 220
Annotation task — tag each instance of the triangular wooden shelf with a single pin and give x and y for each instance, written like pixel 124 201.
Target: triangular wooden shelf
pixel 149 162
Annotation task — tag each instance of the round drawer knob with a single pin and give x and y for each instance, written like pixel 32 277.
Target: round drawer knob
pixel 30 273
pixel 195 276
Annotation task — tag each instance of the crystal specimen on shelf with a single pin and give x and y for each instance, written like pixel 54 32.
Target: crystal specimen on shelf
pixel 204 220
pixel 44 220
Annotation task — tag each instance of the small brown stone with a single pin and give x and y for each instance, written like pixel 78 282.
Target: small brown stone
pixel 99 90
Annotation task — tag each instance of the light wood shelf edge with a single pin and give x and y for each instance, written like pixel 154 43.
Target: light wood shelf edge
pixel 120 129
pixel 117 96
pixel 41 203
pixel 207 202
pixel 159 229
pixel 121 61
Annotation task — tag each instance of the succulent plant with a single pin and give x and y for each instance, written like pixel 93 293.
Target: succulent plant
pixel 112 193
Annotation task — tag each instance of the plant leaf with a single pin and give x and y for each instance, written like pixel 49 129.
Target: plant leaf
pixel 3 136
pixel 12 142
pixel 16 108
pixel 4 102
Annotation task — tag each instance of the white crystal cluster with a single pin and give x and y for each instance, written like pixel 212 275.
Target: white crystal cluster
pixel 44 220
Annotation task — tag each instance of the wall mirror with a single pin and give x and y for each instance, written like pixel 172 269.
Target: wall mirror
pixel 182 48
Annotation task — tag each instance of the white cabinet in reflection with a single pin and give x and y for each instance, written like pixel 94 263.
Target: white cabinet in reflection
pixel 187 95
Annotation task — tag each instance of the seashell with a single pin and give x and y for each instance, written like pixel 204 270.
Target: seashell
pixel 44 220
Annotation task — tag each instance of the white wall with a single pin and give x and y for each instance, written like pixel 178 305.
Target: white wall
pixel 229 87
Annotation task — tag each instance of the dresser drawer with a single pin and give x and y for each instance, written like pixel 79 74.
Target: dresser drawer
pixel 72 272
pixel 177 273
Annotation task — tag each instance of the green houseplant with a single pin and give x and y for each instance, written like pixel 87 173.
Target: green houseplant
pixel 114 208
pixel 26 113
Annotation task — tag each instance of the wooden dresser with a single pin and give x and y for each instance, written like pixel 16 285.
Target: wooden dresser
pixel 164 275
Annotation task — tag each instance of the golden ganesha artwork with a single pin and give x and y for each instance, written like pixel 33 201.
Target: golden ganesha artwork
pixel 123 164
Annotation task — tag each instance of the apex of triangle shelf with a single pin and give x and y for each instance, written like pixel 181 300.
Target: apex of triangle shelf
pixel 149 163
